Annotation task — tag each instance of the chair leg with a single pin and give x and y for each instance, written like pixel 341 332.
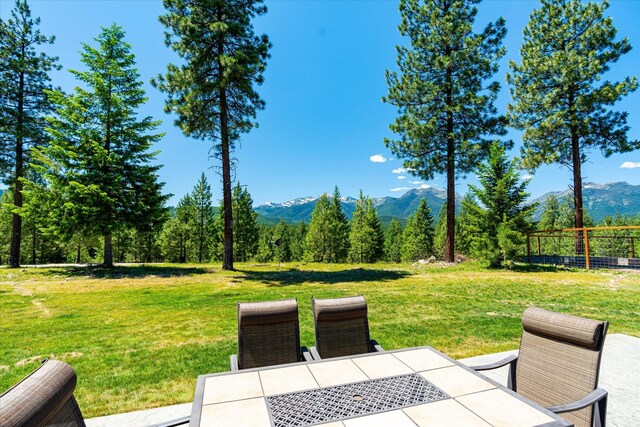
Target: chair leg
pixel 511 379
pixel 600 413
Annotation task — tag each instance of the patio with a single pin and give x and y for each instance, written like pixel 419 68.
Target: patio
pixel 620 373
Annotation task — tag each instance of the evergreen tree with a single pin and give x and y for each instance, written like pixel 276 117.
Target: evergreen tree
pixel 24 78
pixel 317 241
pixel 366 239
pixel 245 221
pixel 503 197
pixel 98 164
pixel 178 239
pixel 393 241
pixel 440 233
pixel 297 244
pixel 204 217
pixel 550 219
pixel 444 101
pixel 417 237
pixel 559 97
pixel 266 252
pixel 328 237
pixel 212 92
pixel 282 241
pixel 339 229
pixel 468 224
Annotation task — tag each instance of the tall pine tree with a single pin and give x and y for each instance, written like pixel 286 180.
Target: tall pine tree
pixel 393 241
pixel 204 218
pixel 245 223
pixel 212 92
pixel 442 93
pixel 417 237
pixel 366 239
pixel 328 237
pixel 24 79
pixel 560 98
pixel 98 161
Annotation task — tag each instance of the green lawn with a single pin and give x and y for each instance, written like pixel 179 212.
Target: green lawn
pixel 139 336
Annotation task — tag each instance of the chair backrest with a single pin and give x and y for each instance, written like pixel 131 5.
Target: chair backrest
pixel 559 360
pixel 44 398
pixel 341 326
pixel 268 333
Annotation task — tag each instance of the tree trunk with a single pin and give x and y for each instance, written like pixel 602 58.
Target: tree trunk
pixel 108 254
pixel 227 237
pixel 16 227
pixel 577 178
pixel 449 246
pixel 577 194
pixel 227 256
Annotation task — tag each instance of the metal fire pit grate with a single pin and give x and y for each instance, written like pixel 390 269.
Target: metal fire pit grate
pixel 350 400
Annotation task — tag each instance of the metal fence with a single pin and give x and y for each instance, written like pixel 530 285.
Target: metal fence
pixel 589 247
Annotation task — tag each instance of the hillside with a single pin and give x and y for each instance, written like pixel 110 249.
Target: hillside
pixel 300 209
pixel 601 200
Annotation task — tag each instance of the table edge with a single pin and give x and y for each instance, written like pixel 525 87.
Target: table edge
pixel 196 409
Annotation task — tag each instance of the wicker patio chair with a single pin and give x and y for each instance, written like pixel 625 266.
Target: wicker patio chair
pixel 45 398
pixel 268 334
pixel 342 328
pixel 558 365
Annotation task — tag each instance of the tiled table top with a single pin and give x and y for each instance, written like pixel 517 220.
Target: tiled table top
pixel 238 398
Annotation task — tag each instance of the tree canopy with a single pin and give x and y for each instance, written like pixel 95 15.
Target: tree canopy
pixel 98 163
pixel 444 100
pixel 561 99
pixel 212 92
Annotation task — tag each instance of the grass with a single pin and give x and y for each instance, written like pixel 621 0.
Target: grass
pixel 138 336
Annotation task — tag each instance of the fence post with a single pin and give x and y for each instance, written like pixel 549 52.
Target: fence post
pixel 585 233
pixel 633 249
pixel 539 251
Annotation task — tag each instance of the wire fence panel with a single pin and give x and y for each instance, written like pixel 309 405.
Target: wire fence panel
pixel 592 247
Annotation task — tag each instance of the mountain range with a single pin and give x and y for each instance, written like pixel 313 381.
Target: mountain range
pixel 600 200
pixel 300 209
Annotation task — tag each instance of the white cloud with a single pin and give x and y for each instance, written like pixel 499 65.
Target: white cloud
pixel 400 189
pixel 401 177
pixel 415 182
pixel 378 158
pixel 425 186
pixel 526 177
pixel 399 170
pixel 630 165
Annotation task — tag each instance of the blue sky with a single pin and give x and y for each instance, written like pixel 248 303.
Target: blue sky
pixel 324 118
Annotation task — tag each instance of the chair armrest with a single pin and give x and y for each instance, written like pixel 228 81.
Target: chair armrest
pixel 233 361
pixel 590 399
pixel 173 423
pixel 376 346
pixel 314 353
pixel 495 365
pixel 306 356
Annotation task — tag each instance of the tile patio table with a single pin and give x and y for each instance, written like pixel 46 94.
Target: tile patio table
pixel 408 387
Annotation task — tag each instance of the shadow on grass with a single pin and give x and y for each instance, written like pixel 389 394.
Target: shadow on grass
pixel 537 268
pixel 127 272
pixel 295 276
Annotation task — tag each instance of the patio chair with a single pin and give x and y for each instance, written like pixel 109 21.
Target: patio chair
pixel 45 398
pixel 268 334
pixel 558 365
pixel 342 328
